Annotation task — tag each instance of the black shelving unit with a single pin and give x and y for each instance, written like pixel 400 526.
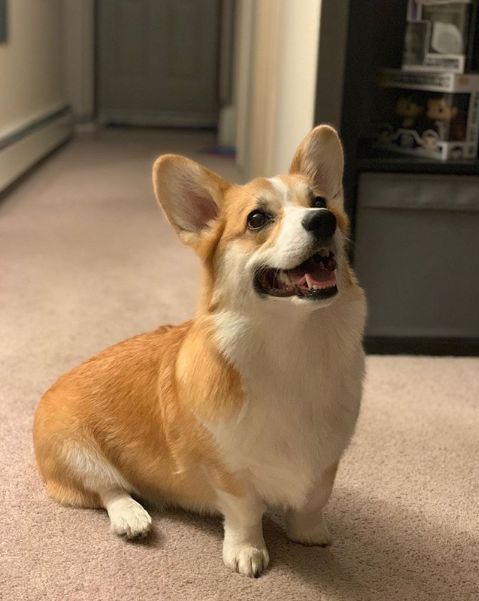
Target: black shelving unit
pixel 373 41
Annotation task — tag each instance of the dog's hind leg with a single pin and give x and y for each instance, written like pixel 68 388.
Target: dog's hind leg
pixel 96 474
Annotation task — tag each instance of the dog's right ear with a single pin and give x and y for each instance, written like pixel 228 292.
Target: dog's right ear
pixel 319 157
pixel 189 194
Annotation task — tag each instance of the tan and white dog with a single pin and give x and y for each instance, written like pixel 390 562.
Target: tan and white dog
pixel 249 405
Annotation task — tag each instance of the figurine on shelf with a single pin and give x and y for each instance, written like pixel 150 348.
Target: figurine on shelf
pixel 457 152
pixel 430 140
pixel 442 112
pixel 428 114
pixel 408 110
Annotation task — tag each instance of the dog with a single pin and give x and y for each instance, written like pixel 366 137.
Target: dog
pixel 249 405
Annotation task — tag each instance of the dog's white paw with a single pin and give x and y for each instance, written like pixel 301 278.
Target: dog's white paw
pixel 316 533
pixel 129 519
pixel 246 558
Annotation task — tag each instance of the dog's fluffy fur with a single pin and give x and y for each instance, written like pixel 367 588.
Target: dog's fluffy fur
pixel 249 405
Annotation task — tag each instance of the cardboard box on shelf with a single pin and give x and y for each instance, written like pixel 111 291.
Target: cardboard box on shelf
pixel 442 35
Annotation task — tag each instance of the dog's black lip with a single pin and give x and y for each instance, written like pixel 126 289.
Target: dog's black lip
pixel 316 294
pixel 312 295
pixel 319 294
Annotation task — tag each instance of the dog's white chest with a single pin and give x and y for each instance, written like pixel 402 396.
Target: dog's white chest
pixel 302 398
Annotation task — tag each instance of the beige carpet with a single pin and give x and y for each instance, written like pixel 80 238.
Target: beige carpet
pixel 85 260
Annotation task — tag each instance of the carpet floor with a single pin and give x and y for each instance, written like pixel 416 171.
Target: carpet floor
pixel 86 260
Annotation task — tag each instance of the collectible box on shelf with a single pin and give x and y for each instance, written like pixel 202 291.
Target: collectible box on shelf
pixel 428 114
pixel 442 35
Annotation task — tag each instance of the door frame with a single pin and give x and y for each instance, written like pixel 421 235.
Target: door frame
pixel 275 81
pixel 79 36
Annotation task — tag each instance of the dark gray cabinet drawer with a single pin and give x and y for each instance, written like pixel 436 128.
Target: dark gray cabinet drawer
pixel 417 254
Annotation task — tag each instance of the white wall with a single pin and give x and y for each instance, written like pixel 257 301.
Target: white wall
pixel 32 79
pixel 278 96
pixel 32 86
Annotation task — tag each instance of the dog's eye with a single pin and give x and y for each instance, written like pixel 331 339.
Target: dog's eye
pixel 318 202
pixel 257 219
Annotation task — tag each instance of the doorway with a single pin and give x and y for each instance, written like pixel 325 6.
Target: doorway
pixel 158 62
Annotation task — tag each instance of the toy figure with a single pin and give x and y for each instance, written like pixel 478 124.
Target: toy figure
pixel 442 112
pixel 457 152
pixel 408 110
pixel 430 140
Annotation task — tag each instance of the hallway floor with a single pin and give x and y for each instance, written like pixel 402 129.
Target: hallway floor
pixel 86 259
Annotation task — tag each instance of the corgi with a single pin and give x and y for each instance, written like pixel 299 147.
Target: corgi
pixel 249 405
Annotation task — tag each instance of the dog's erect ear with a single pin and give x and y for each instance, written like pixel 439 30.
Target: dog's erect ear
pixel 189 194
pixel 319 157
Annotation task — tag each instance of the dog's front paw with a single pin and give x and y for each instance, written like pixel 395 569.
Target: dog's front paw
pixel 315 533
pixel 129 519
pixel 246 558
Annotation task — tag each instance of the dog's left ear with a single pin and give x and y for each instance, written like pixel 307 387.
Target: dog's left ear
pixel 319 157
pixel 189 194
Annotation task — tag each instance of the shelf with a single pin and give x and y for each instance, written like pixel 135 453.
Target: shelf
pixel 384 345
pixel 393 163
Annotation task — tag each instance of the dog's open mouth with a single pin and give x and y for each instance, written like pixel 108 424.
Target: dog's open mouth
pixel 313 279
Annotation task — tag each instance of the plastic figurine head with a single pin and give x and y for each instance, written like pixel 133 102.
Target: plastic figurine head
pixel 406 106
pixel 430 139
pixel 441 109
pixel 457 152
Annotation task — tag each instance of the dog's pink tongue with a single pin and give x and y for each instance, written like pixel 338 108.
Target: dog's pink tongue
pixel 320 274
pixel 317 277
pixel 320 277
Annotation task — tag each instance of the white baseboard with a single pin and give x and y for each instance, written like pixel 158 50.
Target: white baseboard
pixel 30 143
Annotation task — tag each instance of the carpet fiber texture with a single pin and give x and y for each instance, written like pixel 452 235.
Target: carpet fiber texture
pixel 86 260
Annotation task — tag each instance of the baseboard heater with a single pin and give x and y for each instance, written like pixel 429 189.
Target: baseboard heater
pixel 24 147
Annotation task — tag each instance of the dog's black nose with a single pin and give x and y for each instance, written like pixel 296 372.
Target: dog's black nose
pixel 321 223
